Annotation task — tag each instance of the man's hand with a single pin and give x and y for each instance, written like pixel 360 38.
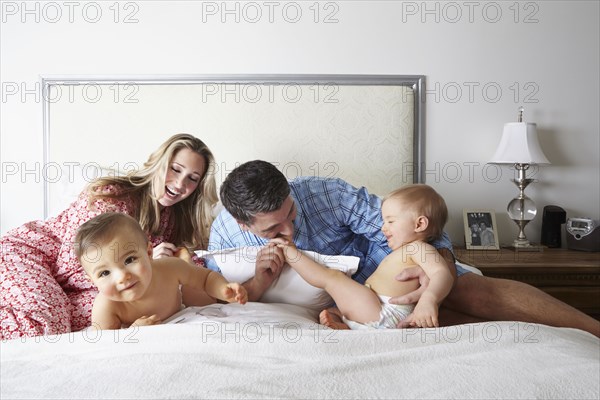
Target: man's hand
pixel 414 296
pixel 269 264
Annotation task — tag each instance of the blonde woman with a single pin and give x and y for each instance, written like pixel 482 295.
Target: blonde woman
pixel 44 289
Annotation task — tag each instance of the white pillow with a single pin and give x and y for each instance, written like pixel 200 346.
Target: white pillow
pixel 469 268
pixel 237 265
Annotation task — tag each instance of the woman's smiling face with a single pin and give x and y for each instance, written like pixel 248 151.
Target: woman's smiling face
pixel 185 171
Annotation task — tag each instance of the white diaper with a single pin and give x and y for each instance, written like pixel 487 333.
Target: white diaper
pixel 389 317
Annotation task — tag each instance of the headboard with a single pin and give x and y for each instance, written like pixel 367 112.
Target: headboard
pixel 368 130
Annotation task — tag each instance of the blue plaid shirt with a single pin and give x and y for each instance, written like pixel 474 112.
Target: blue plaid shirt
pixel 333 218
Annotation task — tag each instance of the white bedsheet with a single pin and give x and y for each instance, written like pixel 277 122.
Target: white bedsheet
pixel 278 351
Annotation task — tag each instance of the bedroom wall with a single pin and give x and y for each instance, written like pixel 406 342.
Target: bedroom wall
pixel 482 61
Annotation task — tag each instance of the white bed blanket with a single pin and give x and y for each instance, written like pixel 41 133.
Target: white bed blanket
pixel 275 351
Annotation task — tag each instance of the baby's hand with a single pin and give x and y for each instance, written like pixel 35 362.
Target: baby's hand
pixel 184 254
pixel 423 316
pixel 236 292
pixel 145 321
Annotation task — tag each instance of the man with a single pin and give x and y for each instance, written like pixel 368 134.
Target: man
pixel 487 235
pixel 332 217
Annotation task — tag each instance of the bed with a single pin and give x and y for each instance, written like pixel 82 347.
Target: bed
pixel 368 130
pixel 278 351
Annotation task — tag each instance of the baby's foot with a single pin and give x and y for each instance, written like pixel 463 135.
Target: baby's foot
pixel 332 318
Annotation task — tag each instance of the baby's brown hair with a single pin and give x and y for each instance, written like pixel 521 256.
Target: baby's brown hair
pixel 96 230
pixel 424 200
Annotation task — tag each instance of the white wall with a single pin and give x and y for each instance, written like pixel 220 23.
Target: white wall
pixel 543 55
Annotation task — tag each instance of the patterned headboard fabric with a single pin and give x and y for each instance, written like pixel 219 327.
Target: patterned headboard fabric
pixel 367 130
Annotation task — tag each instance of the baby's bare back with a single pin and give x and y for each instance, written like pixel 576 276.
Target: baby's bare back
pixel 383 280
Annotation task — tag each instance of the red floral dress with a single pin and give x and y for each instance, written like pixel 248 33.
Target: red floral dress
pixel 43 288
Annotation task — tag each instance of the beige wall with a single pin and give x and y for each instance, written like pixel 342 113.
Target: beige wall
pixel 482 61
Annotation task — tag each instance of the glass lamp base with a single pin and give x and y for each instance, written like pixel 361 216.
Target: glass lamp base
pixel 521 243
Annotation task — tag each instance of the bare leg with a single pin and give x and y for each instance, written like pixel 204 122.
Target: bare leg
pixel 503 299
pixel 355 301
pixel 450 317
pixel 332 318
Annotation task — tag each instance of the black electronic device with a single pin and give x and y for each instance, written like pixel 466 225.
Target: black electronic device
pixel 552 219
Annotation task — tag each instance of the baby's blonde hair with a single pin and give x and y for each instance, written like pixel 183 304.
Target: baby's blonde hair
pixel 424 200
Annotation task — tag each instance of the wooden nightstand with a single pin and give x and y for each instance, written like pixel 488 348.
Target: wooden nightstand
pixel 571 276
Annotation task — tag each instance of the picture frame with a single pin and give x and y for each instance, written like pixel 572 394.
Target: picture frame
pixel 481 232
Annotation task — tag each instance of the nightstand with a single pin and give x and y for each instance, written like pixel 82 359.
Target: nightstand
pixel 569 275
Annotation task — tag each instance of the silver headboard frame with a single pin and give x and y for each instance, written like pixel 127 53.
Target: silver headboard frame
pixel 118 112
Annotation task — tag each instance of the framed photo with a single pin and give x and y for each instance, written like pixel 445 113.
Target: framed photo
pixel 480 229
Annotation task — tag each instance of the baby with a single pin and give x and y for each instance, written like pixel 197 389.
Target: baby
pixel 412 216
pixel 135 289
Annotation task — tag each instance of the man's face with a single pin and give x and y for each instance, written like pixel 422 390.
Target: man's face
pixel 279 223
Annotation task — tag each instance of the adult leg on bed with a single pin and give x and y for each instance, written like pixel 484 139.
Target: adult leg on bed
pixel 25 323
pixel 31 301
pixel 502 299
pixel 450 317
pixel 81 308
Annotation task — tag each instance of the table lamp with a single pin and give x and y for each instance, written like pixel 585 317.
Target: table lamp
pixel 520 147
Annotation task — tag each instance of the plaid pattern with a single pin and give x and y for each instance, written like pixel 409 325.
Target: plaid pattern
pixel 333 218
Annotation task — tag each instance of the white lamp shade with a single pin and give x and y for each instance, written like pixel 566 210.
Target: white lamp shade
pixel 519 145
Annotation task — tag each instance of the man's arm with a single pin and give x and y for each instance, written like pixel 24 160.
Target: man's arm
pixel 225 233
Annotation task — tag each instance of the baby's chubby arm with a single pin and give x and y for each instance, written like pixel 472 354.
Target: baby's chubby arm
pixel 145 321
pixel 440 283
pixel 213 283
pixel 104 316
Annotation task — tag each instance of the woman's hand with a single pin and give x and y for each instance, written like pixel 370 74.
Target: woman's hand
pixel 184 254
pixel 165 249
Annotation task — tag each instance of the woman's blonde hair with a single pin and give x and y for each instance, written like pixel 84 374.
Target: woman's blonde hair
pixel 192 217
